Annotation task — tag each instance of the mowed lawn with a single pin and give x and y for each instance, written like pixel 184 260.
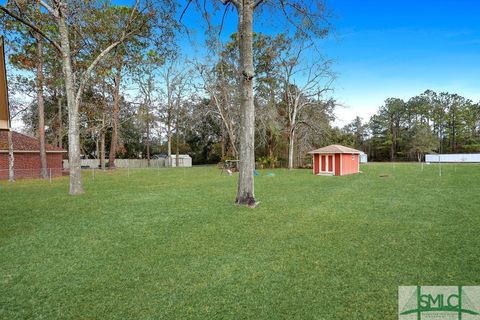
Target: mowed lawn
pixel 170 243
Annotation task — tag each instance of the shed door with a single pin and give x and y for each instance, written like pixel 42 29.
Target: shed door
pixel 324 160
pixel 330 163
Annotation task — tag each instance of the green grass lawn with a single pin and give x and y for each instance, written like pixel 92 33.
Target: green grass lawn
pixel 170 243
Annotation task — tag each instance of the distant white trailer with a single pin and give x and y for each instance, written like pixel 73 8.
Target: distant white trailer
pixel 363 157
pixel 184 161
pixel 453 158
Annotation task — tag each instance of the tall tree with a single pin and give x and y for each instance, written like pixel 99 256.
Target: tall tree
pixel 28 56
pixel 308 19
pixel 305 85
pixel 40 100
pixel 421 142
pixel 61 11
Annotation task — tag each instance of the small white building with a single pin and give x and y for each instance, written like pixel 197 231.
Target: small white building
pixel 363 157
pixel 184 161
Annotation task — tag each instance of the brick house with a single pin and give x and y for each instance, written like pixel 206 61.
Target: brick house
pixel 26 151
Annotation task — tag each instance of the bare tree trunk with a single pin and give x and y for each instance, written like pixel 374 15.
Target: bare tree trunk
pixel 169 143
pixel 102 150
pixel 228 123
pixel 291 141
pixel 169 119
pixel 97 148
pixel 392 145
pixel 60 123
pixel 115 117
pixel 232 140
pixel 222 145
pixel 73 121
pixel 41 104
pixel 222 142
pixel 299 156
pixel 245 193
pixel 102 144
pixel 177 149
pixel 11 158
pixel 177 138
pixel 148 139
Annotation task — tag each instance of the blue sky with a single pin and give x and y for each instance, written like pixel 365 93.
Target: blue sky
pixel 401 48
pixel 396 48
pixel 384 48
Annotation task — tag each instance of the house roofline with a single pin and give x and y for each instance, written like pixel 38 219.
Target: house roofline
pixel 33 151
pixel 333 152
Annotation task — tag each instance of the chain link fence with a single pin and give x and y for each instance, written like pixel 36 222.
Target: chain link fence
pixel 32 173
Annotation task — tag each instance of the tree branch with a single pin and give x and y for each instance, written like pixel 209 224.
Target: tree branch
pixel 257 3
pixel 101 55
pixel 235 3
pixel 185 9
pixel 86 75
pixel 223 18
pixel 49 9
pixel 33 27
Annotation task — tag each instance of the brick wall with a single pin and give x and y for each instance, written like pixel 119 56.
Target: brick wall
pixel 27 165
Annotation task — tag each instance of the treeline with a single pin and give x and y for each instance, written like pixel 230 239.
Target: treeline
pixel 135 95
pixel 406 130
pixel 183 106
pixel 90 54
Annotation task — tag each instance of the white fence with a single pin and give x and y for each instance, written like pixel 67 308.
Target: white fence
pixel 120 163
pixel 183 161
pixel 30 173
pixel 454 158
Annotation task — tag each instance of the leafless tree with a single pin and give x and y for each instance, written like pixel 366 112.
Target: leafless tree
pixel 308 19
pixel 305 86
pixel 223 99
pixel 176 82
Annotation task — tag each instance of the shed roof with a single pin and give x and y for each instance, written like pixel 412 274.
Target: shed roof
pixel 336 148
pixel 24 143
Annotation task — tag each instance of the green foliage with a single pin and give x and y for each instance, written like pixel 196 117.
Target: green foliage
pixel 470 148
pixel 430 122
pixel 267 161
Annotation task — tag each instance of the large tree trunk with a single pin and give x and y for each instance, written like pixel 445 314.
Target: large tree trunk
pixel 41 105
pixel 115 117
pixel 41 114
pixel 291 145
pixel 73 121
pixel 245 193
pixel 11 158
